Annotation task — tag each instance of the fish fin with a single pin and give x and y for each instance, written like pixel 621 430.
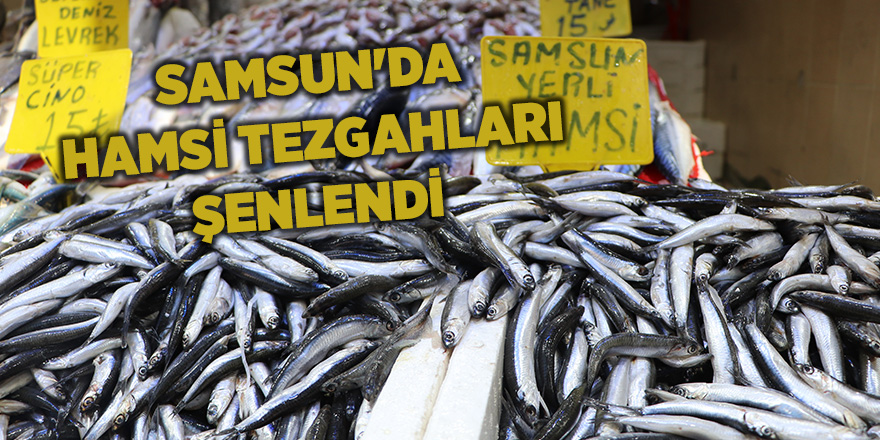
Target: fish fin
pixel 664 396
pixel 794 182
pixel 614 410
pixel 548 204
pixel 544 405
pixel 247 369
pixel 225 434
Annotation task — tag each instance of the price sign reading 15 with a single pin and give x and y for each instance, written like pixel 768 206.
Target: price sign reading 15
pixel 585 18
pixel 68 97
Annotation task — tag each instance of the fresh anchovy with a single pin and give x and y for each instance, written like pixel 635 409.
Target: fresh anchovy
pixel 557 301
pixel 863 404
pixel 486 242
pixel 859 264
pixel 827 341
pixel 715 225
pixel 673 350
pixel 27 262
pixel 621 288
pixel 503 301
pixel 785 377
pixel 418 239
pixel 282 265
pixel 519 354
pixel 227 363
pixel 634 234
pixel 581 179
pixel 724 362
pixel 83 354
pixel 768 399
pixel 63 287
pixel 306 387
pixel 313 347
pixel 353 288
pixel 554 254
pixel 306 256
pixel 627 270
pixel 115 305
pixel 799 282
pixel 760 422
pixel 480 289
pixel 549 338
pixel 502 211
pixel 395 269
pixel 800 333
pixel 162 240
pixel 704 267
pixel 660 293
pixel 592 207
pixel 680 273
pixel 793 258
pixel 840 278
pixel 803 215
pixel 863 333
pixel 838 305
pixel 693 427
pixel 456 315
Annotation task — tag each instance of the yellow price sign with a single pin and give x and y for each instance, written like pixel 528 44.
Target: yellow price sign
pixel 76 27
pixel 603 86
pixel 585 18
pixel 68 97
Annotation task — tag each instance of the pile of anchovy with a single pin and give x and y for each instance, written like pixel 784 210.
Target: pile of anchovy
pixel 634 310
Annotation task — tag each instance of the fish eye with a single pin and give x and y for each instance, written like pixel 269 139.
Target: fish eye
pixel 394 297
pixel 874 345
pixel 119 420
pixel 330 387
pixel 765 431
pixel 692 349
pixel 679 391
pixel 808 369
pixel 448 337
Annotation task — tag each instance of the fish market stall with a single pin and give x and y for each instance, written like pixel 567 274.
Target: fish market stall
pixel 616 302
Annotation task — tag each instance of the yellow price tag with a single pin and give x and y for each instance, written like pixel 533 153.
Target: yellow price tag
pixel 585 18
pixel 67 97
pixel 603 85
pixel 76 27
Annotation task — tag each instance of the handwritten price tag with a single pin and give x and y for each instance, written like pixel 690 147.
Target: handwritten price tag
pixel 585 18
pixel 67 97
pixel 76 27
pixel 603 84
